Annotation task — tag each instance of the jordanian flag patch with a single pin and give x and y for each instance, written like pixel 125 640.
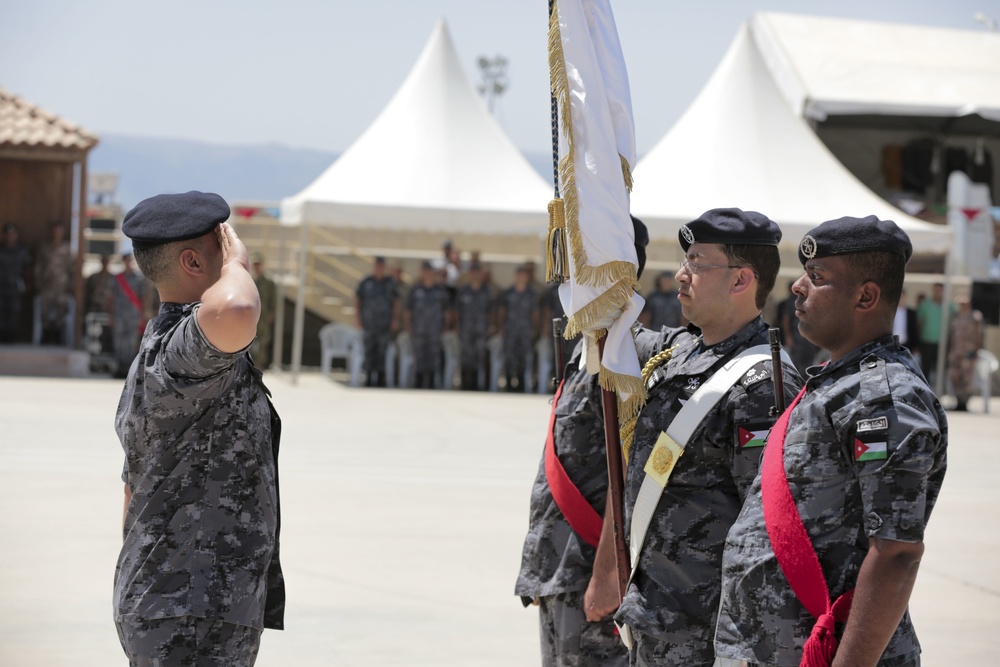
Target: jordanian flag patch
pixel 869 451
pixel 750 438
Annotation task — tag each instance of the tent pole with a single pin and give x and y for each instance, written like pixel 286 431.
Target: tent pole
pixel 300 308
pixel 278 354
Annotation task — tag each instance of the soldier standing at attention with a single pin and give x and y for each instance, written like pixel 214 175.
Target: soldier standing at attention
pixel 517 315
pixel 850 475
pixel 428 315
pixel 558 568
pixel 198 577
pixel 128 315
pixel 474 306
pixel 14 263
pixel 268 307
pixel 679 507
pixel 54 282
pixel 376 308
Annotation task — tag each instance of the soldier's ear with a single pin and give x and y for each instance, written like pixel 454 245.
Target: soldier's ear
pixel 869 296
pixel 191 263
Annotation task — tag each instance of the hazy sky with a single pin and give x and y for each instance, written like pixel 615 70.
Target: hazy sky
pixel 314 74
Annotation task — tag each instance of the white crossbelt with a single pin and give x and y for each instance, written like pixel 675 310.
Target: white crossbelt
pixel 671 443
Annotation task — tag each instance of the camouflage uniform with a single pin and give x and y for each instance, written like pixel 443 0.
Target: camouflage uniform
pixel 14 263
pixel 377 298
pixel 518 335
pixel 874 394
pixel 98 291
pixel 427 307
pixel 128 320
pixel 54 281
pixel 963 343
pixel 201 531
pixel 664 310
pixel 265 324
pixel 673 600
pixel 556 563
pixel 473 307
pixel 188 641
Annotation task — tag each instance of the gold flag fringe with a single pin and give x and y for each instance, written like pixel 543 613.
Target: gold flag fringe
pixel 611 300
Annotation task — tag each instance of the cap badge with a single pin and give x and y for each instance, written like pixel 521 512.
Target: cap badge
pixel 687 234
pixel 808 247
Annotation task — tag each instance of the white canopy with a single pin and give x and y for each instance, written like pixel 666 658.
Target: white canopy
pixel 826 66
pixel 433 160
pixel 740 144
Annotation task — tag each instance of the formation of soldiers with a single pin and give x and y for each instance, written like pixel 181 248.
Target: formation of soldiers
pixel 803 551
pixel 445 299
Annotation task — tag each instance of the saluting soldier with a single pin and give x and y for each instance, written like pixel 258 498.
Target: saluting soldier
pixel 679 507
pixel 428 315
pixel 198 576
pixel 474 311
pixel 54 271
pixel 849 478
pixel 559 572
pixel 376 308
pixel 517 315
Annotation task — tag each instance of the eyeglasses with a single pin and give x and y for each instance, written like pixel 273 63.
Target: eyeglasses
pixel 697 267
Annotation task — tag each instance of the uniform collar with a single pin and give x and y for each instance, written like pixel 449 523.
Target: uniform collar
pixel 852 358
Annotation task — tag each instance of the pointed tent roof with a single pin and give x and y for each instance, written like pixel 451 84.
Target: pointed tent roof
pixel 434 159
pixel 740 144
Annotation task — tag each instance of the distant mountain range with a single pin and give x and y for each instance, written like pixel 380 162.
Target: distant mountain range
pixel 266 172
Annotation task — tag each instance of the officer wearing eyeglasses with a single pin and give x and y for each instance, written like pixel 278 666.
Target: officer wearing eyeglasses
pixel 730 266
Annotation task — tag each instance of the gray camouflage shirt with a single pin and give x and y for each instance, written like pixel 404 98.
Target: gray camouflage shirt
pixel 674 596
pixel 555 559
pixel 201 445
pixel 865 457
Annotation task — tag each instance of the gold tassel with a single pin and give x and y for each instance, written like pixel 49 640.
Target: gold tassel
pixel 556 252
pixel 626 173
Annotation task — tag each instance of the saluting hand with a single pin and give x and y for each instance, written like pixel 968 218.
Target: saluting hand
pixel 233 249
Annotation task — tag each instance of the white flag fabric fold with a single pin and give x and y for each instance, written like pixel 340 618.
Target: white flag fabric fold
pixel 596 153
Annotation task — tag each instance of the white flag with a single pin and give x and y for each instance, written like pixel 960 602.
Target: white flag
pixel 596 153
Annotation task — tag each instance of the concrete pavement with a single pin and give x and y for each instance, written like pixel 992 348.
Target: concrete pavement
pixel 403 517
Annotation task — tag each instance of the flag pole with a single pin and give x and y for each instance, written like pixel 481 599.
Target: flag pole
pixel 616 483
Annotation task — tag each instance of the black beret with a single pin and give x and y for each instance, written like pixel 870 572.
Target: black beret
pixel 730 226
pixel 845 236
pixel 640 232
pixel 178 217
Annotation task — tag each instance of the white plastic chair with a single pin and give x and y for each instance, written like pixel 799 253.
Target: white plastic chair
pixel 404 348
pixel 452 359
pixel 342 341
pixel 495 346
pixel 986 365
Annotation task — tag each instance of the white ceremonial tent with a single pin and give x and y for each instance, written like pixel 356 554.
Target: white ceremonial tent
pixel 741 144
pixel 434 160
pixel 433 165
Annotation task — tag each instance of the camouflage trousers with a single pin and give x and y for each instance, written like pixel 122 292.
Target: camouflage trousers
pixel 188 641
pixel 648 651
pixel 569 640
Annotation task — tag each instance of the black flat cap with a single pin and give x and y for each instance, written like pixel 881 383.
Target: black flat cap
pixel 178 217
pixel 846 236
pixel 730 226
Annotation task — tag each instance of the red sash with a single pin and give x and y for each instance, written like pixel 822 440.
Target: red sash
pixel 582 518
pixel 794 550
pixel 133 299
